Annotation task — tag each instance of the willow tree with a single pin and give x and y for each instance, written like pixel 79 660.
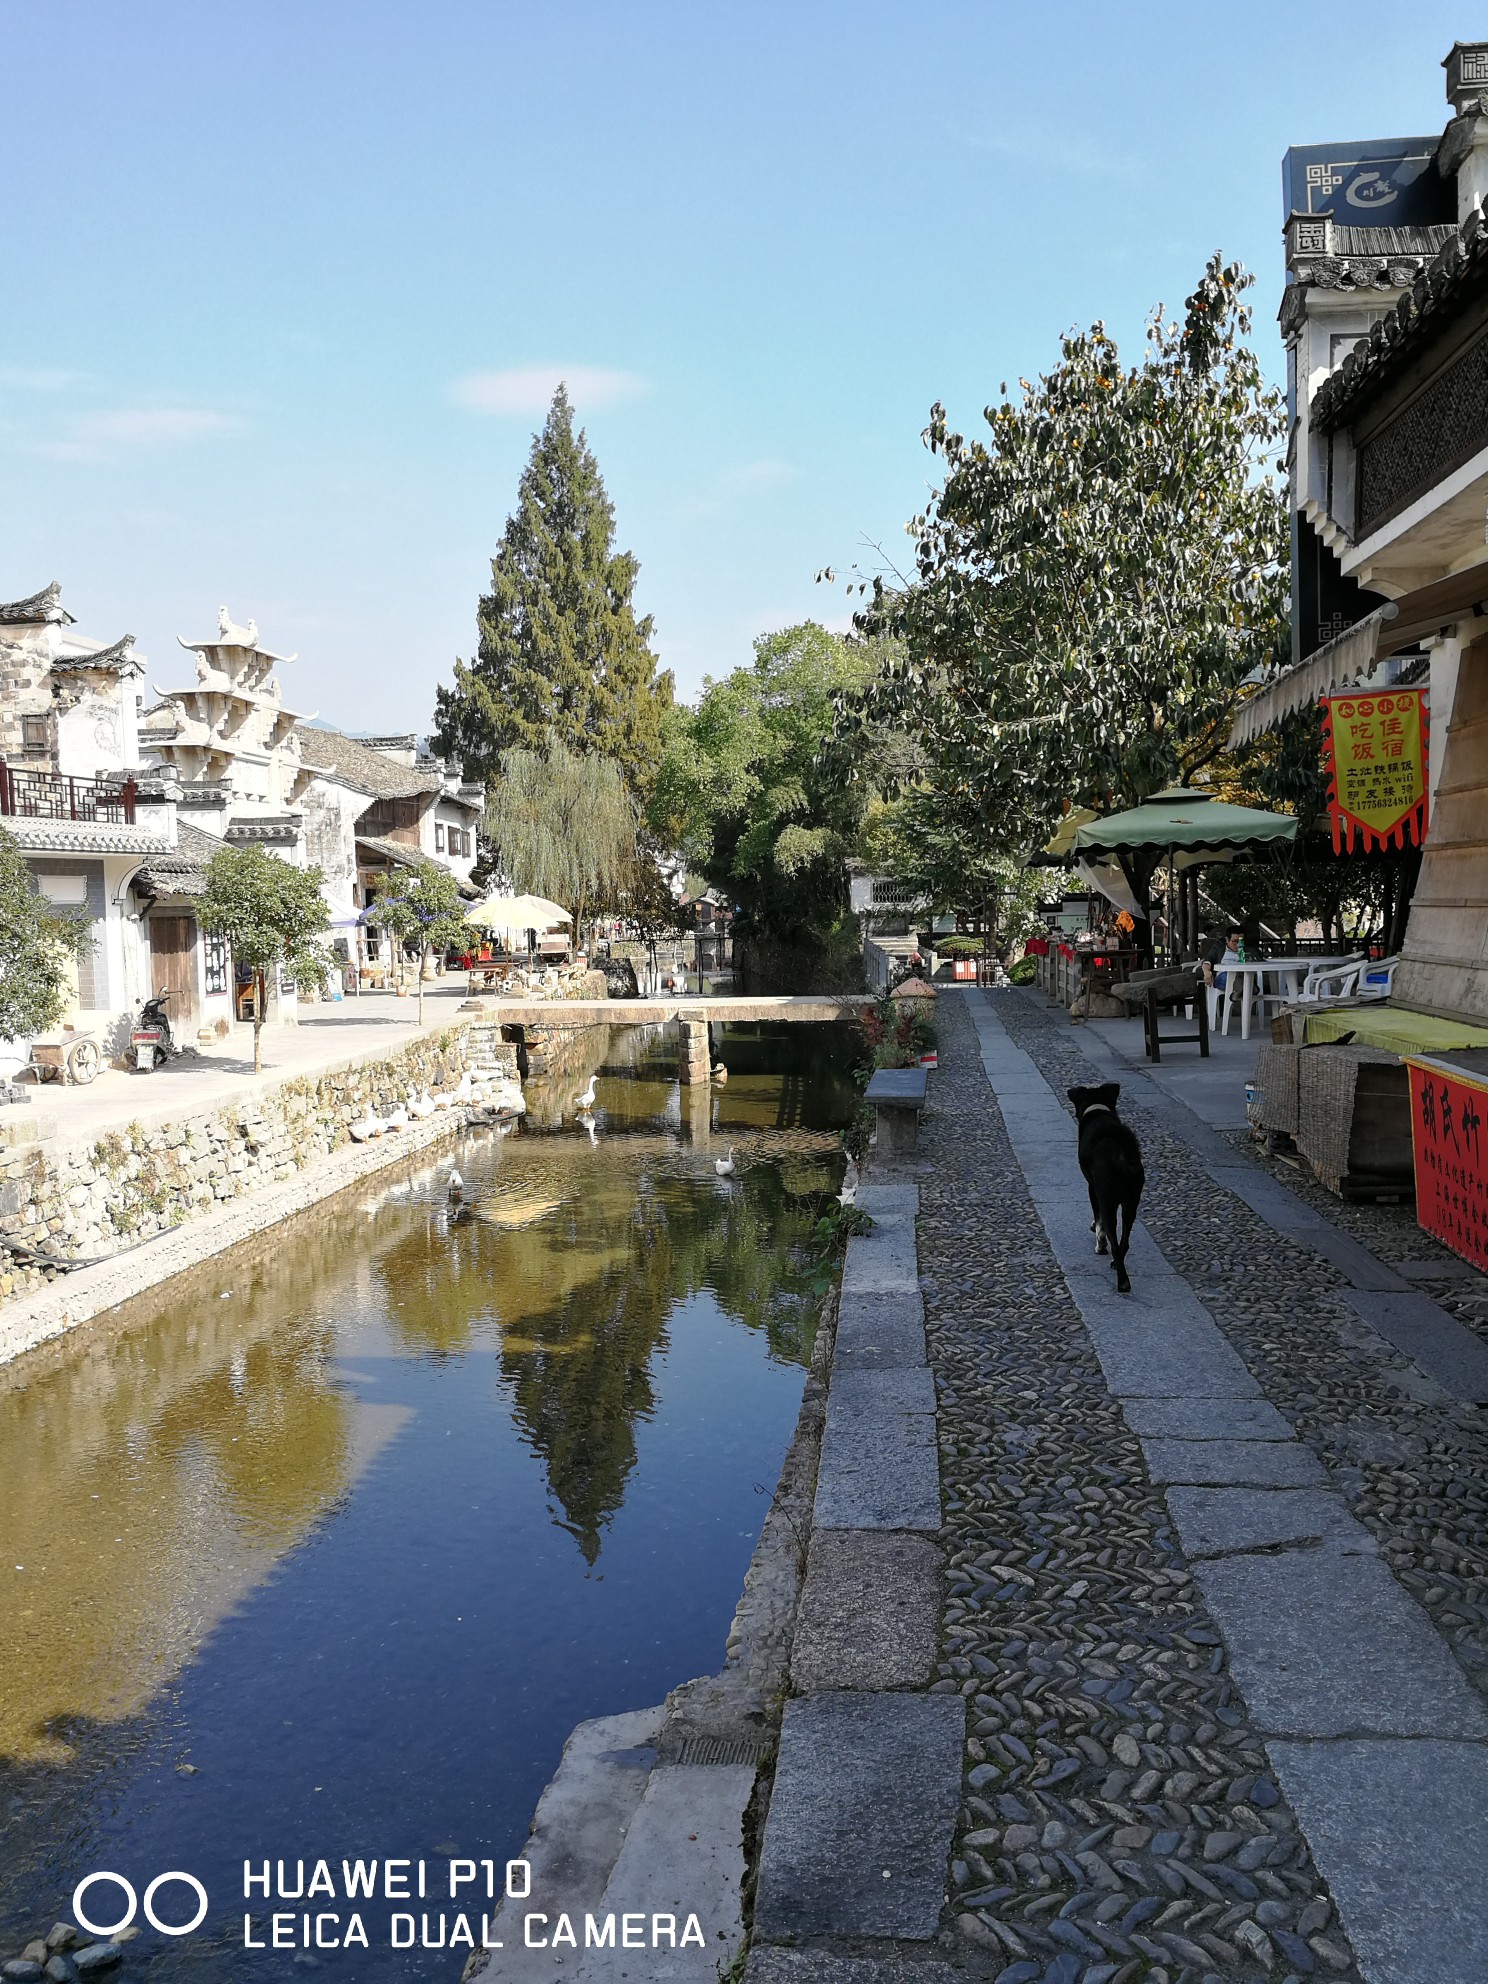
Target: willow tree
pixel 1102 567
pixel 561 823
pixel 561 651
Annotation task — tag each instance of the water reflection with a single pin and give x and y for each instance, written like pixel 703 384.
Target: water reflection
pixel 360 1518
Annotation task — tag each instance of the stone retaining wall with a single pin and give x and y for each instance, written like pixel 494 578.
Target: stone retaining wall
pixel 91 1199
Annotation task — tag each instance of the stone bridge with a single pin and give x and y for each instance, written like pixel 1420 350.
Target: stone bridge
pixel 693 1016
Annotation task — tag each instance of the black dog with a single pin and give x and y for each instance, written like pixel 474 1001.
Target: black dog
pixel 1111 1159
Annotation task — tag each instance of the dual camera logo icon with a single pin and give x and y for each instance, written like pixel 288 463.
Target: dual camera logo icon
pixel 124 1921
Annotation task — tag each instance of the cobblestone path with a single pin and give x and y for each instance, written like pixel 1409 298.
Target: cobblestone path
pixel 1123 1818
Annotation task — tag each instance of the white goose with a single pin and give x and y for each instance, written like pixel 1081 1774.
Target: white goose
pixel 420 1106
pixel 366 1127
pixel 586 1100
pixel 456 1184
pixel 398 1120
pixel 725 1166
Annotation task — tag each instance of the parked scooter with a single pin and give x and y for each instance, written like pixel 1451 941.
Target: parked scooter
pixel 151 1041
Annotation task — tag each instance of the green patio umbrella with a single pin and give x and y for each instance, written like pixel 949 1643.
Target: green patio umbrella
pixel 1178 821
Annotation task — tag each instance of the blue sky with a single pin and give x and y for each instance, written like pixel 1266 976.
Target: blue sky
pixel 287 286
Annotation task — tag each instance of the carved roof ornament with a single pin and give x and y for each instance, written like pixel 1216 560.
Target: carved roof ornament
pixel 230 635
pixel 42 609
pixel 118 660
pixel 233 635
pixel 1467 73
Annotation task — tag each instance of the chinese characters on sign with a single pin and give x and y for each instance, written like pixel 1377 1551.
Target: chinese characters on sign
pixel 1448 1139
pixel 1375 747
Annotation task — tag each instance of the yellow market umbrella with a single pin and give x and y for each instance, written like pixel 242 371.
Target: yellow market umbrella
pixel 514 915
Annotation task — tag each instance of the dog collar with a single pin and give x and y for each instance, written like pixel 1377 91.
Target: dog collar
pixel 1091 1107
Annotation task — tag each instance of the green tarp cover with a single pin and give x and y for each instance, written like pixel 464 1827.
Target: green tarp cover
pixel 1395 1028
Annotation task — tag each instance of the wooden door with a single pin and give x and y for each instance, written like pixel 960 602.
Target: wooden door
pixel 173 967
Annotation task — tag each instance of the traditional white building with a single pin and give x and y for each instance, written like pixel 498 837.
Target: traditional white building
pixel 73 797
pixel 252 770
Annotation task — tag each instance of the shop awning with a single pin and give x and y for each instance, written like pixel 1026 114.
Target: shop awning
pixel 1399 623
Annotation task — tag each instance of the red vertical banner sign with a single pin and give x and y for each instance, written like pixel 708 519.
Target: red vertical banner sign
pixel 1375 750
pixel 1450 1146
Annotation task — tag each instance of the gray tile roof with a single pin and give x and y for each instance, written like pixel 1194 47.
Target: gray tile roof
pixel 1444 287
pixel 183 871
pixel 42 609
pixel 84 837
pixel 357 765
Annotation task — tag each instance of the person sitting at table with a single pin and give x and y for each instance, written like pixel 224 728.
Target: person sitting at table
pixel 1218 952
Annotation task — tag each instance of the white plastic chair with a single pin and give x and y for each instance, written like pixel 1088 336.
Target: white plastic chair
pixel 1338 981
pixel 1376 980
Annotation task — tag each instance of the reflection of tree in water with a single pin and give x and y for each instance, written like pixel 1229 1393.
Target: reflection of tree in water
pixel 576 1260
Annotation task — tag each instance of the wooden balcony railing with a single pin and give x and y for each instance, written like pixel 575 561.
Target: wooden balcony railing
pixel 33 795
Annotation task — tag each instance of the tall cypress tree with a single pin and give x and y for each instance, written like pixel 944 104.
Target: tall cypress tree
pixel 561 651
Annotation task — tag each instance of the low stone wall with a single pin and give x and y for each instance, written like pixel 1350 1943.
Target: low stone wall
pixel 81 1201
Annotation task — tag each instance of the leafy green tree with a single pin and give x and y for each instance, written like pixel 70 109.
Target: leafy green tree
pixel 1097 576
pixel 561 824
pixel 750 794
pixel 561 651
pixel 271 915
pixel 423 903
pixel 949 857
pixel 37 942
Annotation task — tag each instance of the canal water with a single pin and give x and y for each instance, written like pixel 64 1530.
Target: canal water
pixel 322 1549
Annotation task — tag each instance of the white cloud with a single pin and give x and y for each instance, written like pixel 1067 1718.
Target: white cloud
pixel 528 389
pixel 93 436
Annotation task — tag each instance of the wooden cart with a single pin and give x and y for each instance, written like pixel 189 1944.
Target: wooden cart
pixel 67 1057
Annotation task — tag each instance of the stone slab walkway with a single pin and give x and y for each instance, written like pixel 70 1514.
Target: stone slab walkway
pixel 1210 1571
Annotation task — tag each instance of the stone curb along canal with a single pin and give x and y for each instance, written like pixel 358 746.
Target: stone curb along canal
pixel 196 1186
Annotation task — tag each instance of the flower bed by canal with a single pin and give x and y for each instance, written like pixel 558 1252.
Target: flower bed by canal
pixel 323 1549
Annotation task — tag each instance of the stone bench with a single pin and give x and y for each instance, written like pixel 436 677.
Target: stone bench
pixel 898 1096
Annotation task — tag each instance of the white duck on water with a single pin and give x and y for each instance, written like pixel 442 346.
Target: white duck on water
pixel 586 1100
pixel 456 1185
pixel 725 1166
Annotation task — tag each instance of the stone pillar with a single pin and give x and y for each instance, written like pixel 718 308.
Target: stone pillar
pixel 697 1112
pixel 692 1058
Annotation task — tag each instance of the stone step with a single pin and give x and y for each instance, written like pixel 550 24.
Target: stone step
pixel 867 1789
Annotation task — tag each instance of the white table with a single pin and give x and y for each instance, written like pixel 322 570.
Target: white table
pixel 1246 984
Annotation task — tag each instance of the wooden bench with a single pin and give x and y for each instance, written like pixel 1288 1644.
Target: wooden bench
pixel 1155 992
pixel 898 1096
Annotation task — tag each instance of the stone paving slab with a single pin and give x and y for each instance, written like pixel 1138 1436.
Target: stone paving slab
pixel 1253 1463
pixel 867 1788
pixel 1423 1331
pixel 869 1616
pixel 780 1966
pixel 1324 1642
pixel 880 1394
pixel 1144 1356
pixel 683 1854
pixel 878 1471
pixel 1206 1419
pixel 890 1202
pixel 882 1262
pixel 879 1332
pixel 1216 1522
pixel 1400 1834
